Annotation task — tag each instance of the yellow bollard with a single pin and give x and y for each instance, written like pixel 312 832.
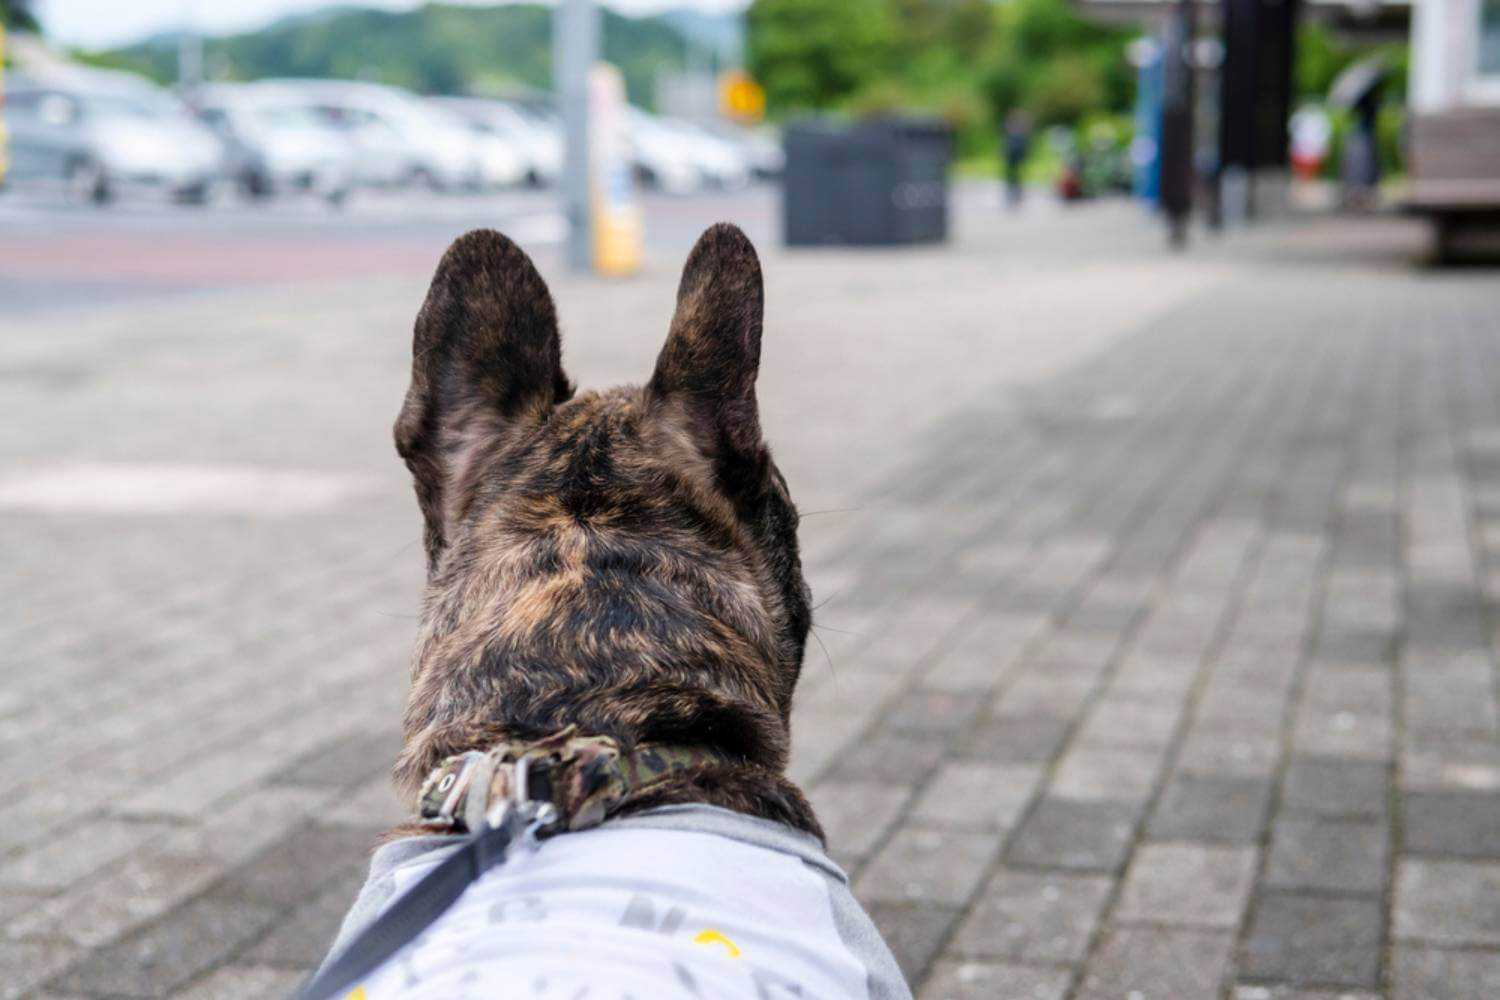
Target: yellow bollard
pixel 616 215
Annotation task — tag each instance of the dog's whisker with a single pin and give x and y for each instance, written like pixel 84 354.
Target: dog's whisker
pixel 831 668
pixel 830 510
pixel 840 631
pixel 830 597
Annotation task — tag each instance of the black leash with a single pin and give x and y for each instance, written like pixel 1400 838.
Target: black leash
pixel 418 908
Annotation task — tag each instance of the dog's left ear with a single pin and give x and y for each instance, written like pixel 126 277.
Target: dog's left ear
pixel 486 359
pixel 712 354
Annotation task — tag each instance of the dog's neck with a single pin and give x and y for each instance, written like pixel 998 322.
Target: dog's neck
pixel 581 662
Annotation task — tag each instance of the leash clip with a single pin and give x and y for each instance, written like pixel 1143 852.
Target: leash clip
pixel 519 807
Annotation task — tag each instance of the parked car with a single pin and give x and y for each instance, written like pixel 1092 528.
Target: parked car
pixel 663 158
pixel 276 144
pixel 96 138
pixel 720 164
pixel 760 147
pixel 538 147
pixel 399 138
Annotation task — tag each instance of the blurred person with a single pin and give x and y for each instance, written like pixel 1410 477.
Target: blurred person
pixel 1015 143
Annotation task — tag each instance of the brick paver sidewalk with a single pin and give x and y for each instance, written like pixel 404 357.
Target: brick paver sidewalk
pixel 1170 666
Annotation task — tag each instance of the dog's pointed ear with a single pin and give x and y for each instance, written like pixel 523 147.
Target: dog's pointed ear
pixel 486 358
pixel 712 353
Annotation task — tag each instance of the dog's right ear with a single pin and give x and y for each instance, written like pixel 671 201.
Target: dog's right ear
pixel 486 358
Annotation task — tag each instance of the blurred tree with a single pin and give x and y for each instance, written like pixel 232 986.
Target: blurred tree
pixel 17 14
pixel 1063 89
pixel 437 49
pixel 811 54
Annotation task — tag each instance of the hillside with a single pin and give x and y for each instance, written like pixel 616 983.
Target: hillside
pixel 438 49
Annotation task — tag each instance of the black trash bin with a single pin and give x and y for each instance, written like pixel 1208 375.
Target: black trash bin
pixel 874 183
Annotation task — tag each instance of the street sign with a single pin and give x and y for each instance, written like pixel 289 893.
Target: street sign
pixel 741 98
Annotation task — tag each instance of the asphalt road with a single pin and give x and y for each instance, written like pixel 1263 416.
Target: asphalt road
pixel 58 255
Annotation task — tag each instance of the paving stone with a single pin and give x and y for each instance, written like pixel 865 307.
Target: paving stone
pixel 1460 823
pixel 158 959
pixel 1343 734
pixel 932 711
pixel 856 815
pixel 1187 884
pixel 301 940
pixel 373 806
pixel 1153 676
pixel 1089 773
pixel 1015 739
pixel 1447 902
pixel 889 757
pixel 75 853
pixel 1336 856
pixel 1314 940
pixel 1130 722
pixel 1335 788
pixel 971 795
pixel 1034 916
pixel 954 979
pixel 1345 712
pixel 1035 693
pixel 243 982
pixel 1434 974
pixel 247 826
pixel 1223 751
pixel 294 869
pixel 25 964
pixel 1453 765
pixel 928 866
pixel 1076 652
pixel 348 761
pixel 914 932
pixel 17 902
pixel 1211 808
pixel 1259 992
pixel 1063 833
pixel 1156 962
pixel 135 889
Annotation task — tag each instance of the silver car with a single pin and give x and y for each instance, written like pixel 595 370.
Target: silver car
pixel 95 142
pixel 275 144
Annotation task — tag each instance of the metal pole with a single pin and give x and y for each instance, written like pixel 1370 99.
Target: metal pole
pixel 1177 173
pixel 189 53
pixel 575 48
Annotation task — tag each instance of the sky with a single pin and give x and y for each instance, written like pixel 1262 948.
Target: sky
pixel 105 23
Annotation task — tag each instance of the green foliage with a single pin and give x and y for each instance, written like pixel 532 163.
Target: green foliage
pixel 437 49
pixel 1322 56
pixel 17 15
pixel 968 61
pixel 817 53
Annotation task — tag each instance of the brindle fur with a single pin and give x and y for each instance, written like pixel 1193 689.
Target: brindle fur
pixel 624 560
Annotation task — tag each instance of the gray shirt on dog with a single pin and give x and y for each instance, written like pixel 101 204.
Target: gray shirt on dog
pixel 691 902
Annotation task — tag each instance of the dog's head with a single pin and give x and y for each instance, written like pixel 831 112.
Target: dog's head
pixel 625 560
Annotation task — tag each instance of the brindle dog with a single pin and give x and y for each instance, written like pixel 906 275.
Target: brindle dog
pixel 624 561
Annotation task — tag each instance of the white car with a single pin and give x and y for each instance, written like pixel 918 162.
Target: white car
pixel 276 143
pixel 720 163
pixel 399 136
pixel 760 147
pixel 663 157
pixel 538 148
pixel 98 135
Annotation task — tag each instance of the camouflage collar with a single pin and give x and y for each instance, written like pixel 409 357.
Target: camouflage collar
pixel 584 778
